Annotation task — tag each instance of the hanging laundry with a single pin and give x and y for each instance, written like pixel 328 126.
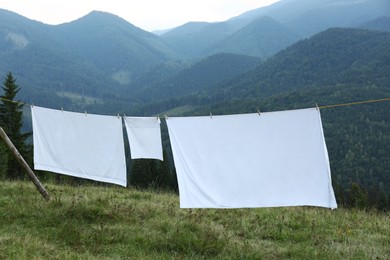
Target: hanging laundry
pixel 242 161
pixel 144 137
pixel 80 145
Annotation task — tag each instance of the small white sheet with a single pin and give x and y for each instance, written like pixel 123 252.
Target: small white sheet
pixel 251 160
pixel 144 135
pixel 80 145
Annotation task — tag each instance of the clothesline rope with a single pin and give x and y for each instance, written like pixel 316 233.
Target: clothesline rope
pixel 355 103
pixel 320 107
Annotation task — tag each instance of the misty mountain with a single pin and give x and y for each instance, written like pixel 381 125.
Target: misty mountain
pixel 201 75
pixel 192 39
pixel 101 57
pixel 29 50
pixel 95 56
pixel 312 16
pixel 380 24
pixel 261 38
pixel 338 57
pixel 116 47
pixel 250 34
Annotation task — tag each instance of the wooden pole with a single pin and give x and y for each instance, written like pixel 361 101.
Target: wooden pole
pixel 23 163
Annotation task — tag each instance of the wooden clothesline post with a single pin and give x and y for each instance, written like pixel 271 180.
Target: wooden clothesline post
pixel 23 163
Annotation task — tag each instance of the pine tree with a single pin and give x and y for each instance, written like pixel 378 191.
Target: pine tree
pixel 11 120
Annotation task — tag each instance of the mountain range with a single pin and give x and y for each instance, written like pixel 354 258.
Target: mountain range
pixel 102 57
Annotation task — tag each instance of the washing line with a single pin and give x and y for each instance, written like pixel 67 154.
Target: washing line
pixel 355 103
pixel 320 107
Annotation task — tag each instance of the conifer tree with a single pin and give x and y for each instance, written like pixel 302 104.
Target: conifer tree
pixel 11 120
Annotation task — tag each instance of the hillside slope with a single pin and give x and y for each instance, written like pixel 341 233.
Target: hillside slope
pixel 96 56
pixel 261 38
pixel 380 24
pixel 112 222
pixel 303 18
pixel 119 49
pixel 312 16
pixel 200 75
pixel 336 56
pixel 28 49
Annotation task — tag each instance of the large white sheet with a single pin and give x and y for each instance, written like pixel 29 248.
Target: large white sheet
pixel 81 145
pixel 144 137
pixel 251 160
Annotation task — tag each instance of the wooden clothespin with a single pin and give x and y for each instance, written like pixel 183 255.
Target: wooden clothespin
pixel 258 111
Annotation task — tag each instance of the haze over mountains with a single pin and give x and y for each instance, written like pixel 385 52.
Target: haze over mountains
pixel 103 56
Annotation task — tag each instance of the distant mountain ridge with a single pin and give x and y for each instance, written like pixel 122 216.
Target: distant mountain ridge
pixel 203 74
pixel 102 57
pixel 261 38
pixel 343 57
pixel 381 24
pixel 96 54
pixel 304 17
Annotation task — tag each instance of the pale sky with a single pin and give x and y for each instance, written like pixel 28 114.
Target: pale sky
pixel 147 14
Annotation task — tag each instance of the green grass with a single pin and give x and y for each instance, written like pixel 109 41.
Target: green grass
pixel 113 222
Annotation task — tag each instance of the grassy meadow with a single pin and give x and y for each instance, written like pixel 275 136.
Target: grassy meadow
pixel 113 222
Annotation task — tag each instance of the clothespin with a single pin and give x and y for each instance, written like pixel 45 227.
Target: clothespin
pixel 62 109
pixel 124 115
pixel 318 109
pixel 211 116
pixel 119 116
pixel 258 111
pixel 165 116
pixel 85 112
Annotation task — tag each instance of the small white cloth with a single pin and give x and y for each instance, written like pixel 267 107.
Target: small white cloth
pixel 251 160
pixel 80 145
pixel 144 135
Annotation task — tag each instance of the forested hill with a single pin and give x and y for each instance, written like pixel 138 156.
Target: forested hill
pixel 200 75
pixel 94 56
pixel 261 38
pixel 333 57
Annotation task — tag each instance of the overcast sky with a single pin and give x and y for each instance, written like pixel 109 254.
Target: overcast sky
pixel 147 14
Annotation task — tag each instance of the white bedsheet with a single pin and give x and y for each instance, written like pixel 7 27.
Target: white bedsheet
pixel 251 160
pixel 80 145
